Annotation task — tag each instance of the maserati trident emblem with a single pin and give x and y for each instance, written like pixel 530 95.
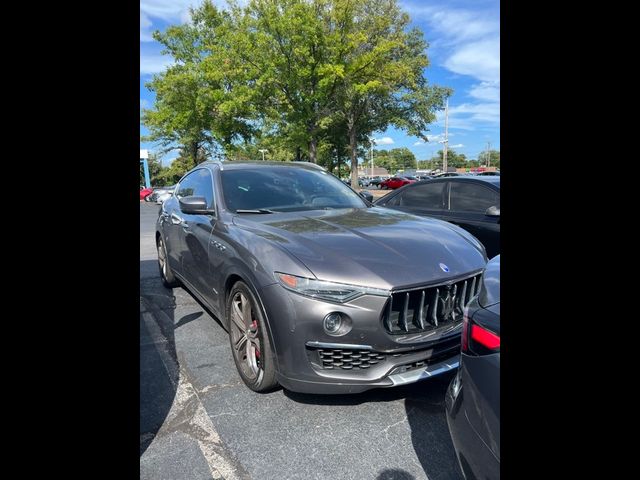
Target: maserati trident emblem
pixel 444 268
pixel 446 307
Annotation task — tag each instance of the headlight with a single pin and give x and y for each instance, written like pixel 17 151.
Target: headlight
pixel 334 292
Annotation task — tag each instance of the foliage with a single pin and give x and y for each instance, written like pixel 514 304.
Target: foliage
pixel 302 79
pixel 395 159
pixel 494 156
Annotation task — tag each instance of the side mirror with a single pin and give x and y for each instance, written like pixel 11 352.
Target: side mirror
pixel 194 205
pixel 367 195
pixel 493 211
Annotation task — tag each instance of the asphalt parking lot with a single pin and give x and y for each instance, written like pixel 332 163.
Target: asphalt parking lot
pixel 199 421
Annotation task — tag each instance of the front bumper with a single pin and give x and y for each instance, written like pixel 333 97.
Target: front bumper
pixel 311 361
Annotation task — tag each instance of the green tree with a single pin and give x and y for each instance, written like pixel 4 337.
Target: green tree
pixel 279 51
pixel 494 156
pixel 155 169
pixel 380 66
pixel 194 109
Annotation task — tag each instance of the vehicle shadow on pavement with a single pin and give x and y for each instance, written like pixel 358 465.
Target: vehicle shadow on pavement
pixel 425 411
pixel 376 395
pixel 158 378
pixel 395 474
pixel 429 430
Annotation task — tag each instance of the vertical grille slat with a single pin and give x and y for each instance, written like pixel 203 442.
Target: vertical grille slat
pixel 402 321
pixel 434 312
pixel 473 287
pixel 464 295
pixel 388 321
pixel 420 322
pixel 424 309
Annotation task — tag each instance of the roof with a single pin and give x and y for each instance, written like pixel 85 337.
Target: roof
pixel 493 179
pixel 240 165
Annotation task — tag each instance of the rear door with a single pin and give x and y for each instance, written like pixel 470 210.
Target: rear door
pixel 467 203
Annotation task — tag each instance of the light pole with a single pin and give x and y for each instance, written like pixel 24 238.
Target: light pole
pixel 446 137
pixel 262 150
pixel 373 140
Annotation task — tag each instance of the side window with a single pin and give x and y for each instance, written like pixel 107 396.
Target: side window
pixel 469 197
pixel 394 201
pixel 423 196
pixel 197 183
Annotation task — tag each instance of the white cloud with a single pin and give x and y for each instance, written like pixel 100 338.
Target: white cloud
pixel 144 103
pixel 419 144
pixel 470 116
pixel 153 63
pixel 383 141
pixel 456 25
pixel 145 28
pixel 173 11
pixel 457 145
pixel 167 10
pixel 466 42
pixel 488 91
pixel 480 60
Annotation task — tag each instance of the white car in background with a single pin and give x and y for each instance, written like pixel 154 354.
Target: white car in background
pixel 161 194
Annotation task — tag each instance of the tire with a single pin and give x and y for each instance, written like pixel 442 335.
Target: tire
pixel 250 344
pixel 166 274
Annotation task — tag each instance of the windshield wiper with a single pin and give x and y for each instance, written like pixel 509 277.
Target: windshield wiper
pixel 257 210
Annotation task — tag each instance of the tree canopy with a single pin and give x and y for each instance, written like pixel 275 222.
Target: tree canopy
pixel 301 79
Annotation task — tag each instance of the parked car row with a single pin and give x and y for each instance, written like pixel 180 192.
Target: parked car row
pixel 301 270
pixel 157 194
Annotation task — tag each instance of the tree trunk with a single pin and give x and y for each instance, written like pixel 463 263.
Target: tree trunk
pixel 313 146
pixel 354 155
pixel 194 153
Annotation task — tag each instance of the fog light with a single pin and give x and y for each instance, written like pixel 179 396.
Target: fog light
pixel 332 323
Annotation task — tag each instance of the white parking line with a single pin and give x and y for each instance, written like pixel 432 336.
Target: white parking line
pixel 186 398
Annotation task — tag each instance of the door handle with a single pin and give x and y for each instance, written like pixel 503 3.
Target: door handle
pixel 176 220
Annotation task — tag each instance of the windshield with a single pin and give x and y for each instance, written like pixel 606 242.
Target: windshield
pixel 286 189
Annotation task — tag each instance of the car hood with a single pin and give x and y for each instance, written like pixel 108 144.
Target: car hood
pixel 375 247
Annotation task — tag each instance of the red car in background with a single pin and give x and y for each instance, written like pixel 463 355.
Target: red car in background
pixel 396 182
pixel 145 192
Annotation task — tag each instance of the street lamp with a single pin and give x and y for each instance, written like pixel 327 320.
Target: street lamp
pixel 262 150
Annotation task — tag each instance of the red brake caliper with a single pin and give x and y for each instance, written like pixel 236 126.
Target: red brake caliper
pixel 254 327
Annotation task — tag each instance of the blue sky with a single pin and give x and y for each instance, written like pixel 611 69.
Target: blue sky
pixel 464 50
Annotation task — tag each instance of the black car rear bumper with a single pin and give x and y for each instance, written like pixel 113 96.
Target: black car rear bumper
pixel 474 456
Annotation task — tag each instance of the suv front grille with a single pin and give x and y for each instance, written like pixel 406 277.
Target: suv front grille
pixel 353 359
pixel 346 359
pixel 424 309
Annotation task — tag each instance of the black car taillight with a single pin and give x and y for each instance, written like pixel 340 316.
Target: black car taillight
pixel 476 339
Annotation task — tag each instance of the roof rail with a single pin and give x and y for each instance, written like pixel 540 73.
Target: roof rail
pixel 312 165
pixel 214 161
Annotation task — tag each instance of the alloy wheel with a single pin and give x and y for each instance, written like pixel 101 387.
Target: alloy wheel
pixel 244 330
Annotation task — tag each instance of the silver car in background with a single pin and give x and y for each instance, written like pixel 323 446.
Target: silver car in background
pixel 161 194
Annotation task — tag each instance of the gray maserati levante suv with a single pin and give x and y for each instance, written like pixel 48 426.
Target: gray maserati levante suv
pixel 320 291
